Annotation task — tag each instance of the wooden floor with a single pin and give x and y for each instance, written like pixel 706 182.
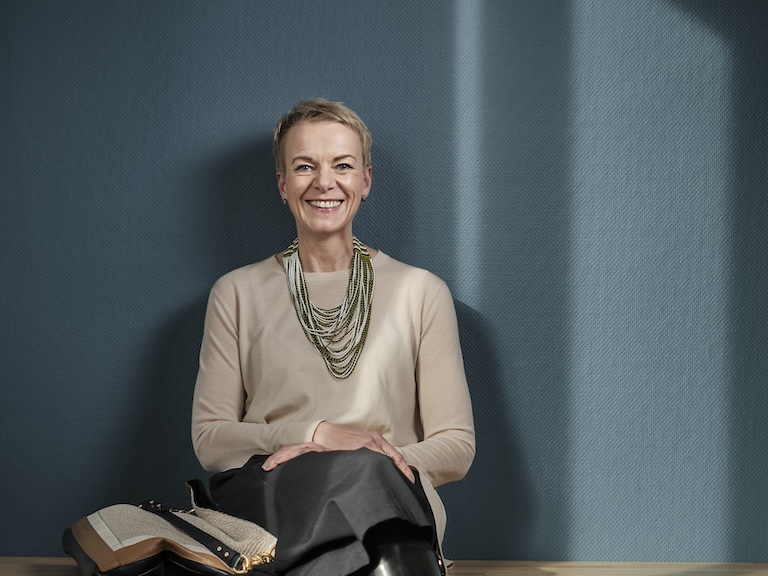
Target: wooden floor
pixel 466 568
pixel 66 567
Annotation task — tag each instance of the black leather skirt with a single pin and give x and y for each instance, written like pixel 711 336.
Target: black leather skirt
pixel 326 508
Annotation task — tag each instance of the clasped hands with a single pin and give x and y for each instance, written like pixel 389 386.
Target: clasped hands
pixel 329 436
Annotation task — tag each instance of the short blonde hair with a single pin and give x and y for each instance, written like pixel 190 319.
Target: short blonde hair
pixel 319 110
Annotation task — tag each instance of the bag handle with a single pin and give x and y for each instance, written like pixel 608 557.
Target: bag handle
pixel 239 563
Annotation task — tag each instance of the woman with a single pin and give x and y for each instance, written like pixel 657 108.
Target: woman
pixel 331 397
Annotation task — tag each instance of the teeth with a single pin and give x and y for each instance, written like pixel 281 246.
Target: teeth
pixel 325 203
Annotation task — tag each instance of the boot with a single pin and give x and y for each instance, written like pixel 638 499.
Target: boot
pixel 404 558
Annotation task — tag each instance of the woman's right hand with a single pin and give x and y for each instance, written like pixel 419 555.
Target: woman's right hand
pixel 337 437
pixel 290 452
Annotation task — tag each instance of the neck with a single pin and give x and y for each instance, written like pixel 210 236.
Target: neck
pixel 325 255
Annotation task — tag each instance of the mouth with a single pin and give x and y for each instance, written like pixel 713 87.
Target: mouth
pixel 326 204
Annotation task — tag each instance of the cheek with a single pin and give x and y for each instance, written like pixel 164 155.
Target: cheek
pixel 356 182
pixel 292 186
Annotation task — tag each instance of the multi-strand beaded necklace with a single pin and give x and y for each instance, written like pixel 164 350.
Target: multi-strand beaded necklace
pixel 338 333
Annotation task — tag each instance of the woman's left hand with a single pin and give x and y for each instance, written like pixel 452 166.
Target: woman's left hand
pixel 290 452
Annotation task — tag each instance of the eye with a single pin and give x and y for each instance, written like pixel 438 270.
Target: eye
pixel 302 168
pixel 344 166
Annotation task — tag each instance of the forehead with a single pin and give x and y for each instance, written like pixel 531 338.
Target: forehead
pixel 324 137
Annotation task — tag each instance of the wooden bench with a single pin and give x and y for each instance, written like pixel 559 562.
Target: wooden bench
pixel 66 567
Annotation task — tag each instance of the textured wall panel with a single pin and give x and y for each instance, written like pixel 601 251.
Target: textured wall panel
pixel 588 176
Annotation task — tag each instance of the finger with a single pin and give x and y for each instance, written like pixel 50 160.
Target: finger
pixel 270 463
pixel 399 460
pixel 406 470
pixel 287 453
pixel 282 455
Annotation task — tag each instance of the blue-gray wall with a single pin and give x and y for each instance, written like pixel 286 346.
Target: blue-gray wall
pixel 588 176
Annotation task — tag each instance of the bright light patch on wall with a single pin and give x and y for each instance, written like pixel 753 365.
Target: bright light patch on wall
pixel 468 205
pixel 651 222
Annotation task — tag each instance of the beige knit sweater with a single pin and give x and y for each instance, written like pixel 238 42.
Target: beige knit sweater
pixel 262 385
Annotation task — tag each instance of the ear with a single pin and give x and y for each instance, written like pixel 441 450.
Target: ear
pixel 367 179
pixel 281 186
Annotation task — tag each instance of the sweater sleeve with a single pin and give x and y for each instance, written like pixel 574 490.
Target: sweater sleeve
pixel 448 448
pixel 221 439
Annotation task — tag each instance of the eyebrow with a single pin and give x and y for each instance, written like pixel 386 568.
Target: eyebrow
pixel 309 159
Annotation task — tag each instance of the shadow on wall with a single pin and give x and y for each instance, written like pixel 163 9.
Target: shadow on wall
pixel 513 231
pixel 140 445
pixel 743 26
pixel 386 221
pixel 163 426
pixel 502 503
pixel 749 288
pixel 243 218
pixel 239 220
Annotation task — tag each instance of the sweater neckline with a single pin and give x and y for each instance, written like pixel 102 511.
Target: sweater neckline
pixel 327 275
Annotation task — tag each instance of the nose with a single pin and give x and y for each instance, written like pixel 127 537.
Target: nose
pixel 324 179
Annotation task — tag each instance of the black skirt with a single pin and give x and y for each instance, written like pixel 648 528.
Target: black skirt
pixel 322 506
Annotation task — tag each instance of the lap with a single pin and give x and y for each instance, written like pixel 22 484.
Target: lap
pixel 320 505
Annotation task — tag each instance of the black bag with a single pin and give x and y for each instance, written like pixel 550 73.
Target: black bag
pixel 149 540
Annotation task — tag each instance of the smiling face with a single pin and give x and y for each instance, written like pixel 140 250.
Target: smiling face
pixel 324 178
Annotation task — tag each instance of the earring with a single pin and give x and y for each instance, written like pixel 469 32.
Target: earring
pixel 285 201
pixel 363 198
